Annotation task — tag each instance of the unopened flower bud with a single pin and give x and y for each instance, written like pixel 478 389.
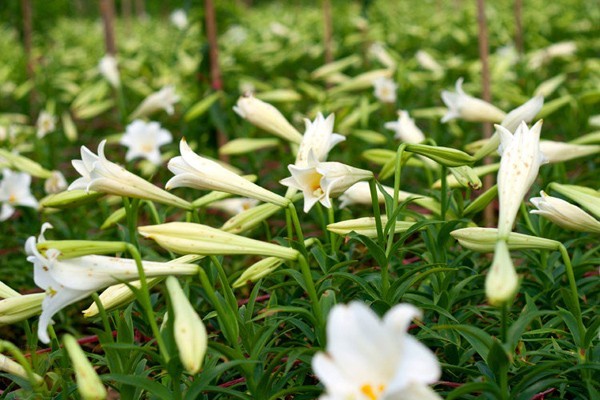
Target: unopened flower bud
pixel 501 282
pixel 564 214
pixel 89 385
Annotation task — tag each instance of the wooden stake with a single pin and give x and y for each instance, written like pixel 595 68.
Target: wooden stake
pixel 488 181
pixel 140 8
pixel 107 9
pixel 126 13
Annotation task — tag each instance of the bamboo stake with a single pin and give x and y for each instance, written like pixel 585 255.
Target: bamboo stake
pixel 488 182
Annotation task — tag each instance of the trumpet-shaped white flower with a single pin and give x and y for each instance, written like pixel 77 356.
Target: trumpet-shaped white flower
pixel 56 183
pixel 501 282
pixel 100 175
pixel 164 99
pixel 109 70
pixel 318 138
pixel 46 123
pixel 143 139
pixel 469 108
pixel 179 19
pixel 69 280
pixel 15 191
pixel 267 117
pixel 385 90
pixel 564 214
pixel 188 329
pixel 319 182
pixel 519 165
pixel 405 128
pixel 372 359
pixel 194 171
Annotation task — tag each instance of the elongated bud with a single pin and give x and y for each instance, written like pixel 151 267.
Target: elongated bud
pixel 24 164
pixel 114 218
pixel 501 282
pixel 6 291
pixel 446 156
pixel 89 385
pixel 365 226
pixel 190 238
pixel 466 176
pixel 19 308
pixel 483 240
pixel 362 81
pixel 334 67
pixel 246 145
pixel 265 116
pixel 78 248
pixel 257 271
pixel 14 368
pixel 249 218
pixel 69 199
pixel 188 329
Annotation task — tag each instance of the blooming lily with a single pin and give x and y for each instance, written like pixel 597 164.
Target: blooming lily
pixel 372 359
pixel 164 99
pixel 319 181
pixel 46 123
pixel 385 90
pixel 192 170
pixel 15 191
pixel 143 139
pixel 318 138
pixel 108 69
pixel 101 175
pixel 69 280
pixel 405 128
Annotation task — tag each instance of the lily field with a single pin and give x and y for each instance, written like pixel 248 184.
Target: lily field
pixel 368 200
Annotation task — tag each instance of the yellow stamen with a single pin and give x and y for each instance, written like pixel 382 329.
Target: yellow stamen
pixel 372 392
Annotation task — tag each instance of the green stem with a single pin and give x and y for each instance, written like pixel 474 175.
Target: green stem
pixel 397 172
pixel 575 297
pixel 525 216
pixel 20 358
pixel 296 223
pixel 444 192
pixel 153 212
pixel 376 212
pixel 313 297
pixel 131 212
pixel 144 299
pixel 103 315
pixel 332 236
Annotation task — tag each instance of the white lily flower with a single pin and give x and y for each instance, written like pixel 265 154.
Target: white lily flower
pixel 372 359
pixel 385 90
pixel 519 165
pixel 557 152
pixel 469 108
pixel 46 123
pixel 319 182
pixel 427 62
pixel 15 191
pixel 405 128
pixel 109 70
pixel 318 138
pixel 143 139
pixel 378 51
pixel 100 175
pixel 501 282
pixel 69 280
pixel 188 329
pixel 234 206
pixel 194 171
pixel 564 214
pixel 179 19
pixel 56 183
pixel 267 117
pixel 164 99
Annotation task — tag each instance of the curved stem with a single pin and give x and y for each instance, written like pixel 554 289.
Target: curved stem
pixel 574 294
pixel 313 297
pixel 376 212
pixel 35 380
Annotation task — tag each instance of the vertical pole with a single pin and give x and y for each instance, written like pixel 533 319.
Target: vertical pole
pixel 327 31
pixel 489 214
pixel 519 26
pixel 126 13
pixel 107 9
pixel 140 8
pixel 27 40
pixel 215 71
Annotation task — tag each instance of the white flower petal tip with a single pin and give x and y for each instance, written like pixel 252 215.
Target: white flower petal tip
pixel 405 128
pixel 468 108
pixel 318 139
pixel 370 358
